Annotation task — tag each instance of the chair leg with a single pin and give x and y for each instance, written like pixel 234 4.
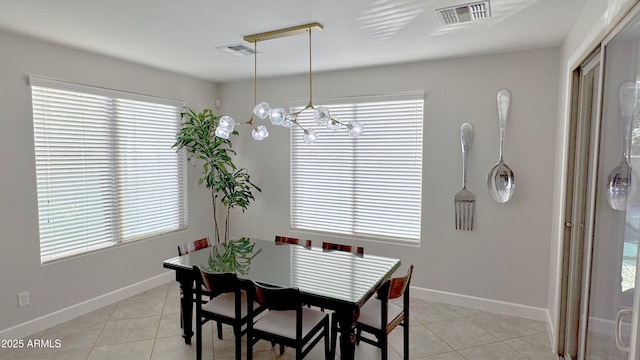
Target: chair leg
pixel 406 340
pixel 328 353
pixel 384 345
pixel 334 335
pixel 219 326
pixel 249 346
pixel 238 335
pixel 198 339
pixel 281 349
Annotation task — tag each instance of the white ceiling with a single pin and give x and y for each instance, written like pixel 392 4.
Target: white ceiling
pixel 182 36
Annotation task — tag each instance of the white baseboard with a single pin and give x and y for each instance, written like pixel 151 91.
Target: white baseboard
pixel 58 317
pixel 494 306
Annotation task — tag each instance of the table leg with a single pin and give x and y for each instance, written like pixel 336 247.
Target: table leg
pixel 348 319
pixel 186 304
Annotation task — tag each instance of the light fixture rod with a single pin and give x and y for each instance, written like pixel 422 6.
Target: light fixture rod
pixel 310 78
pixel 275 34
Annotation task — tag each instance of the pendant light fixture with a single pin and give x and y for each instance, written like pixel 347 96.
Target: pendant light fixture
pixel 279 116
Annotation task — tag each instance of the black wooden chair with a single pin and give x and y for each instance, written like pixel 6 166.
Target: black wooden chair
pixel 231 303
pixel 379 316
pixel 184 249
pixel 359 250
pixel 280 240
pixel 193 246
pixel 288 322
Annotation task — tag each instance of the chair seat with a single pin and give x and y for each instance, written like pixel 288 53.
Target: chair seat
pixel 370 313
pixel 283 323
pixel 225 305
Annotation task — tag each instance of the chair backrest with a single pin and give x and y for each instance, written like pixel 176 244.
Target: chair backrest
pixel 275 298
pixel 341 247
pixel 218 283
pixel 289 240
pixel 193 246
pixel 400 285
pixel 281 299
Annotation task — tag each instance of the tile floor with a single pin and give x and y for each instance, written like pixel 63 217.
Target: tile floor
pixel 147 326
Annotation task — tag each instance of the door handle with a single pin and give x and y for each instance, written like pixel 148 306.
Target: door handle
pixel 619 342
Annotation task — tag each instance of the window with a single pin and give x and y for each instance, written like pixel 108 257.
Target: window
pixel 369 186
pixel 106 172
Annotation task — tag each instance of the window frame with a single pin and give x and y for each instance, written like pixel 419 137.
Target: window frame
pixel 135 108
pixel 296 144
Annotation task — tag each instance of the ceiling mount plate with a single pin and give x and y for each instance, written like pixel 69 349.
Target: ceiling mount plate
pixel 275 34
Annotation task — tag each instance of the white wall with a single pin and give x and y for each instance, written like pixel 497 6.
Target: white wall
pixel 595 21
pixel 505 259
pixel 63 284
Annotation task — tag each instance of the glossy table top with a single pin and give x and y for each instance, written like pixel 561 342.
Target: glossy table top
pixel 338 275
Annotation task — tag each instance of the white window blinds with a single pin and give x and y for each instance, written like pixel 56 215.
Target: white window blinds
pixel 369 186
pixel 106 172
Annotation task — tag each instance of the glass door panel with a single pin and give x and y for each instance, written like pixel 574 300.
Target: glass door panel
pixel 614 252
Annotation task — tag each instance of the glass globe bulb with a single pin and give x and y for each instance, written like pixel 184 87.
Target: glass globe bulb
pixel 321 115
pixel 277 116
pixel 288 120
pixel 262 110
pixel 226 123
pixel 310 136
pixel 221 133
pixel 260 133
pixel 354 129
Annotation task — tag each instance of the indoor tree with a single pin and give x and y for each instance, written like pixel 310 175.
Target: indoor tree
pixel 230 186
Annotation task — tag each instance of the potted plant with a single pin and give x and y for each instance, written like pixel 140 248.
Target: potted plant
pixel 229 185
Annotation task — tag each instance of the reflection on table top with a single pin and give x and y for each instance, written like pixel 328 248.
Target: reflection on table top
pixel 333 274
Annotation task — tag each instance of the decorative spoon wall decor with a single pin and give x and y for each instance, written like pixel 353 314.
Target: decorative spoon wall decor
pixel 619 180
pixel 501 181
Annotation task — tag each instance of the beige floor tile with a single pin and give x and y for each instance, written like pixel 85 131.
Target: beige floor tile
pixel 465 311
pixel 139 307
pixel 127 330
pixel 71 338
pixel 506 327
pixel 127 351
pixel 174 348
pixel 428 311
pixel 80 354
pixel 156 292
pixel 367 351
pixel 262 355
pixel 95 317
pixel 422 342
pixel 461 333
pixel 535 347
pixel 497 351
pixel 172 303
pixel 169 325
pixel 12 353
pixel 446 356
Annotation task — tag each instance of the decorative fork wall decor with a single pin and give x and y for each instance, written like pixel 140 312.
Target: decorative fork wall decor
pixel 464 200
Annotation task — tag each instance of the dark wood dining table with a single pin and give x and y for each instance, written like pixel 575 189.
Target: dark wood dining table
pixel 329 279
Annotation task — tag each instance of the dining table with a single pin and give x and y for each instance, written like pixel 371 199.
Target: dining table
pixel 330 279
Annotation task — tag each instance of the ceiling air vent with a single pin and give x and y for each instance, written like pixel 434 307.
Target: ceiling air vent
pixel 464 13
pixel 236 50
